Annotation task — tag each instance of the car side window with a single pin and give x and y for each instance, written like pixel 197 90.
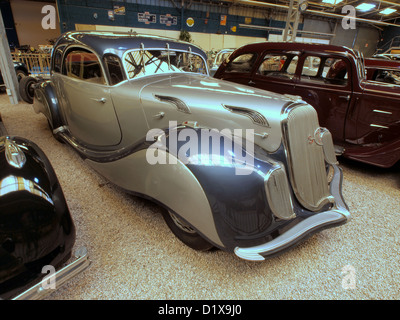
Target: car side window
pixel 325 70
pixel 278 65
pixel 57 59
pixel 242 63
pixel 83 65
pixel 114 68
pixel 311 66
pixel 387 76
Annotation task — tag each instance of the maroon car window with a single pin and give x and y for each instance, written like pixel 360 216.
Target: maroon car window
pixel 278 65
pixel 114 68
pixel 83 65
pixel 242 63
pixel 311 66
pixel 325 70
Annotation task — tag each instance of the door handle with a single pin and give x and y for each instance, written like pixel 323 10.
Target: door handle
pixel 347 98
pixel 159 115
pixel 102 100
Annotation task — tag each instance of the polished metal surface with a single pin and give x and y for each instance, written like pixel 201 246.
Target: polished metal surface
pixel 278 193
pixel 14 155
pixel 305 157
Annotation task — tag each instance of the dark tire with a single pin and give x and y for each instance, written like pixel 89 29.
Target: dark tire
pixel 21 74
pixel 185 233
pixel 27 88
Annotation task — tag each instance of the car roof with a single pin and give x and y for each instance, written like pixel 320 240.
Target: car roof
pixel 103 42
pixel 295 46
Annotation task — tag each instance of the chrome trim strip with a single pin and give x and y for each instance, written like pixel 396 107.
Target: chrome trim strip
pixel 338 214
pixel 381 111
pixel 65 274
pixel 378 126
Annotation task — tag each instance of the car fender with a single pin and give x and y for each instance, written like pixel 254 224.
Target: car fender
pixel 46 102
pixel 36 227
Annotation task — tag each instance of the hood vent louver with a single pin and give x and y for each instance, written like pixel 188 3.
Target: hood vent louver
pixel 255 116
pixel 180 105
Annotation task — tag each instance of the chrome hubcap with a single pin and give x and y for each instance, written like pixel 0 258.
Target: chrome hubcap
pixel 181 225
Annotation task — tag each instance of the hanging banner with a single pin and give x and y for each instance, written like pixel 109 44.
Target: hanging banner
pixel 147 17
pixel 168 20
pixel 111 15
pixel 119 10
pixel 223 20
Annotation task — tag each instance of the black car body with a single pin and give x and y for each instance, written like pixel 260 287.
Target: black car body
pixel 36 227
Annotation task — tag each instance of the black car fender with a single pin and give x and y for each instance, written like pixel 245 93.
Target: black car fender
pixel 36 227
pixel 233 177
pixel 46 102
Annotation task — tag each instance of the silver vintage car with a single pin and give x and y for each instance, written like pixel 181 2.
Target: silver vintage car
pixel 233 167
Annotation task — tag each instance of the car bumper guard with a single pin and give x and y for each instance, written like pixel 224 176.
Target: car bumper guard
pixel 339 214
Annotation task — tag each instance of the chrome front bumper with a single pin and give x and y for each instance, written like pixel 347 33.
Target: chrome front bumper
pixel 61 277
pixel 339 214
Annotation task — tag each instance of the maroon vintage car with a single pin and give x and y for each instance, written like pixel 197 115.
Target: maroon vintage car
pixel 362 115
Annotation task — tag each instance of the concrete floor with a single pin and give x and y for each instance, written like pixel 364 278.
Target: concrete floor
pixel 135 256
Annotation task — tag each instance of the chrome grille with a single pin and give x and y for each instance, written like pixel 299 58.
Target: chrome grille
pixel 305 157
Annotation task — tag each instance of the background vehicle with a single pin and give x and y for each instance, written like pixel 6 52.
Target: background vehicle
pixel 362 115
pixel 380 70
pixel 21 71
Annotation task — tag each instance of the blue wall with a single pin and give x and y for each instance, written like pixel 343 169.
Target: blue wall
pixel 207 18
pixel 9 25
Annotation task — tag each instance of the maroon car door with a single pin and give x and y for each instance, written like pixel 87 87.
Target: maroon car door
pixel 325 83
pixel 378 113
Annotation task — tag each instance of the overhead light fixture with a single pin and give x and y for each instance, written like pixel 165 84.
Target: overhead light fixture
pixel 387 11
pixel 365 7
pixel 334 2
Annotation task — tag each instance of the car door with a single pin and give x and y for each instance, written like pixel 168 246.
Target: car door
pixel 86 100
pixel 378 113
pixel 325 84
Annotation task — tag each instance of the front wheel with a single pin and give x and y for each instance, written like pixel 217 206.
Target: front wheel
pixel 185 233
pixel 27 88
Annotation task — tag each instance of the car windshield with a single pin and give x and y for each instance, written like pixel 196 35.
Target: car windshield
pixel 144 62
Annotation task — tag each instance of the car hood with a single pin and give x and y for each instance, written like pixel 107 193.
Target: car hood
pixel 219 104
